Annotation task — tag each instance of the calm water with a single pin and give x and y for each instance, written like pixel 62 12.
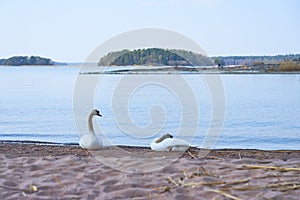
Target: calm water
pixel 262 111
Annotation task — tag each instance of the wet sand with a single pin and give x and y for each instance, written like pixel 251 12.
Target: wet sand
pixel 40 171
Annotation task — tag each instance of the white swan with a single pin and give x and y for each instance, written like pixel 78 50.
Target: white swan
pixel 90 140
pixel 168 143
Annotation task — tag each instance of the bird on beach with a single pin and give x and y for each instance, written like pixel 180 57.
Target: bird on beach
pixel 90 140
pixel 168 143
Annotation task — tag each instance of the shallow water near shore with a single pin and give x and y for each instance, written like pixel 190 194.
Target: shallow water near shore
pixel 262 111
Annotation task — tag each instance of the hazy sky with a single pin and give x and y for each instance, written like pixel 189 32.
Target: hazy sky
pixel 68 30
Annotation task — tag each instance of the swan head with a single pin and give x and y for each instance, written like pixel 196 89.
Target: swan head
pixel 96 113
pixel 165 136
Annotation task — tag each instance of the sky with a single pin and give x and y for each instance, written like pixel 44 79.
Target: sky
pixel 69 30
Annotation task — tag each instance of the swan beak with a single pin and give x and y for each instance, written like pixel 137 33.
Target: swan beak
pixel 99 115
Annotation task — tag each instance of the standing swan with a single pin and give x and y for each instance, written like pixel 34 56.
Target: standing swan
pixel 90 140
pixel 168 143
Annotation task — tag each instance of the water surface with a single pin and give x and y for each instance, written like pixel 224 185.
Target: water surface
pixel 262 111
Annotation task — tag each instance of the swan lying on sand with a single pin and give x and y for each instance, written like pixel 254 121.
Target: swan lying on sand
pixel 168 143
pixel 90 140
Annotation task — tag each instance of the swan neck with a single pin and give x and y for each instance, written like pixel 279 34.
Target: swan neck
pixel 160 139
pixel 163 137
pixel 90 123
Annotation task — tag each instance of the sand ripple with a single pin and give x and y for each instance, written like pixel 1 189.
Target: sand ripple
pixel 85 177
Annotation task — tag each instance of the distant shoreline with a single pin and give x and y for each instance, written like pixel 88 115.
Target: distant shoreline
pixel 190 70
pixel 161 70
pixel 263 62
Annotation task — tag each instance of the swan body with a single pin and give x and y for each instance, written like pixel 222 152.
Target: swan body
pixel 168 143
pixel 91 140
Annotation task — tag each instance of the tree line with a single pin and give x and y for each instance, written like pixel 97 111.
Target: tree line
pixel 255 60
pixel 155 56
pixel 26 60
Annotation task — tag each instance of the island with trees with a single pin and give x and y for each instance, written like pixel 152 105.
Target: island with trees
pixel 177 61
pixel 27 60
pixel 188 61
pixel 155 57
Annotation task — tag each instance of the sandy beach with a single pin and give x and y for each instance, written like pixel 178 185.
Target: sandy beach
pixel 40 171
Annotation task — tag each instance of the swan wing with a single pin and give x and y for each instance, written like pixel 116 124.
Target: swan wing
pixel 170 144
pixel 161 146
pixel 90 141
pixel 179 145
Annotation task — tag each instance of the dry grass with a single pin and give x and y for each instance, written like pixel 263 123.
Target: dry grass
pixel 289 66
pixel 227 187
pixel 282 169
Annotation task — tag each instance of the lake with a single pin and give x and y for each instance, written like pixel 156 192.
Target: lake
pixel 262 110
